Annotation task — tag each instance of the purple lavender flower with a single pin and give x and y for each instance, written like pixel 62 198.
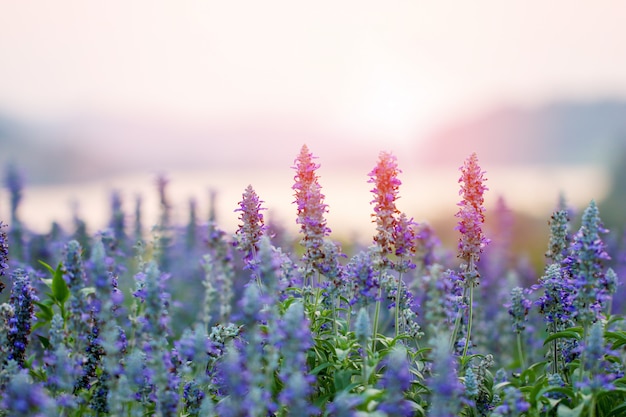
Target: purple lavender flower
pixel 518 309
pixel 559 236
pixel 396 380
pixel 295 341
pixel 93 359
pixel 426 244
pixel 329 264
pixel 193 397
pixel 360 274
pixel 311 207
pixel 556 303
pixel 446 388
pixel 471 384
pixel 138 225
pixel 363 327
pixel 386 185
pixel 192 226
pixel 235 380
pixel 471 217
pixel 4 254
pixel 15 184
pixel 151 291
pixel 22 298
pixel 514 404
pixel 252 226
pixel 585 267
pixel 117 222
pixel 25 398
pixel 600 371
pixel 405 241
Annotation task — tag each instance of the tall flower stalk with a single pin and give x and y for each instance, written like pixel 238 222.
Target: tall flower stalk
pixel 384 176
pixel 311 209
pixel 252 227
pixel 472 240
pixel 405 241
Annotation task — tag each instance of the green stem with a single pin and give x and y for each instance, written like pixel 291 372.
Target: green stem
pixel 457 324
pixel 555 362
pixel 333 302
pixel 376 316
pixel 469 320
pixel 364 367
pixel 398 290
pixel 582 356
pixel 520 351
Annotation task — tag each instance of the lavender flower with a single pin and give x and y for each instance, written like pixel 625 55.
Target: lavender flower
pixel 363 327
pixel 138 226
pixel 193 397
pixel 559 236
pixel 22 298
pixel 4 254
pixel 514 404
pixel 405 242
pixel 556 303
pixel 295 341
pixel 471 217
pixel 386 185
pixel 311 208
pixel 396 380
pixel 15 184
pixel 444 383
pixel 471 384
pixel 93 359
pixel 518 309
pixel 252 226
pixel 25 398
pixel 585 267
pixel 329 264
pixel 600 371
pixel 152 293
pixel 117 222
pixel 360 274
pixel 192 226
pixel 426 244
pixel 443 297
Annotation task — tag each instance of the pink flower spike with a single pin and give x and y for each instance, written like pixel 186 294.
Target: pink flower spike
pixel 252 227
pixel 472 240
pixel 311 207
pixel 386 185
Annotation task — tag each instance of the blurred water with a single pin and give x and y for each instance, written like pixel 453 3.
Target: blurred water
pixel 426 195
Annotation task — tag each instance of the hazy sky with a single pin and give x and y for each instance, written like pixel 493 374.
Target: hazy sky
pixel 392 68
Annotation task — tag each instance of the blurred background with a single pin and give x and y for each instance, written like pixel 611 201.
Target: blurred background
pixel 97 97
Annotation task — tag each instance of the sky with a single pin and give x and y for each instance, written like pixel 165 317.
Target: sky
pixel 387 70
pixel 386 73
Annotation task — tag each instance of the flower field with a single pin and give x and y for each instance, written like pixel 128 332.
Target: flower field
pixel 191 320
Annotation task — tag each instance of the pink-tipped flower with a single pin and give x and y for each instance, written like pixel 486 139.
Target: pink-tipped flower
pixel 471 215
pixel 405 242
pixel 386 184
pixel 252 225
pixel 311 207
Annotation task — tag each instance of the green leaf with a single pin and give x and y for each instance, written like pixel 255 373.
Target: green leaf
pixel 620 410
pixel 45 342
pixel 618 338
pixel 320 368
pixel 565 411
pixel 60 290
pixel 573 333
pixel 343 380
pixel 48 267
pixel 45 312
